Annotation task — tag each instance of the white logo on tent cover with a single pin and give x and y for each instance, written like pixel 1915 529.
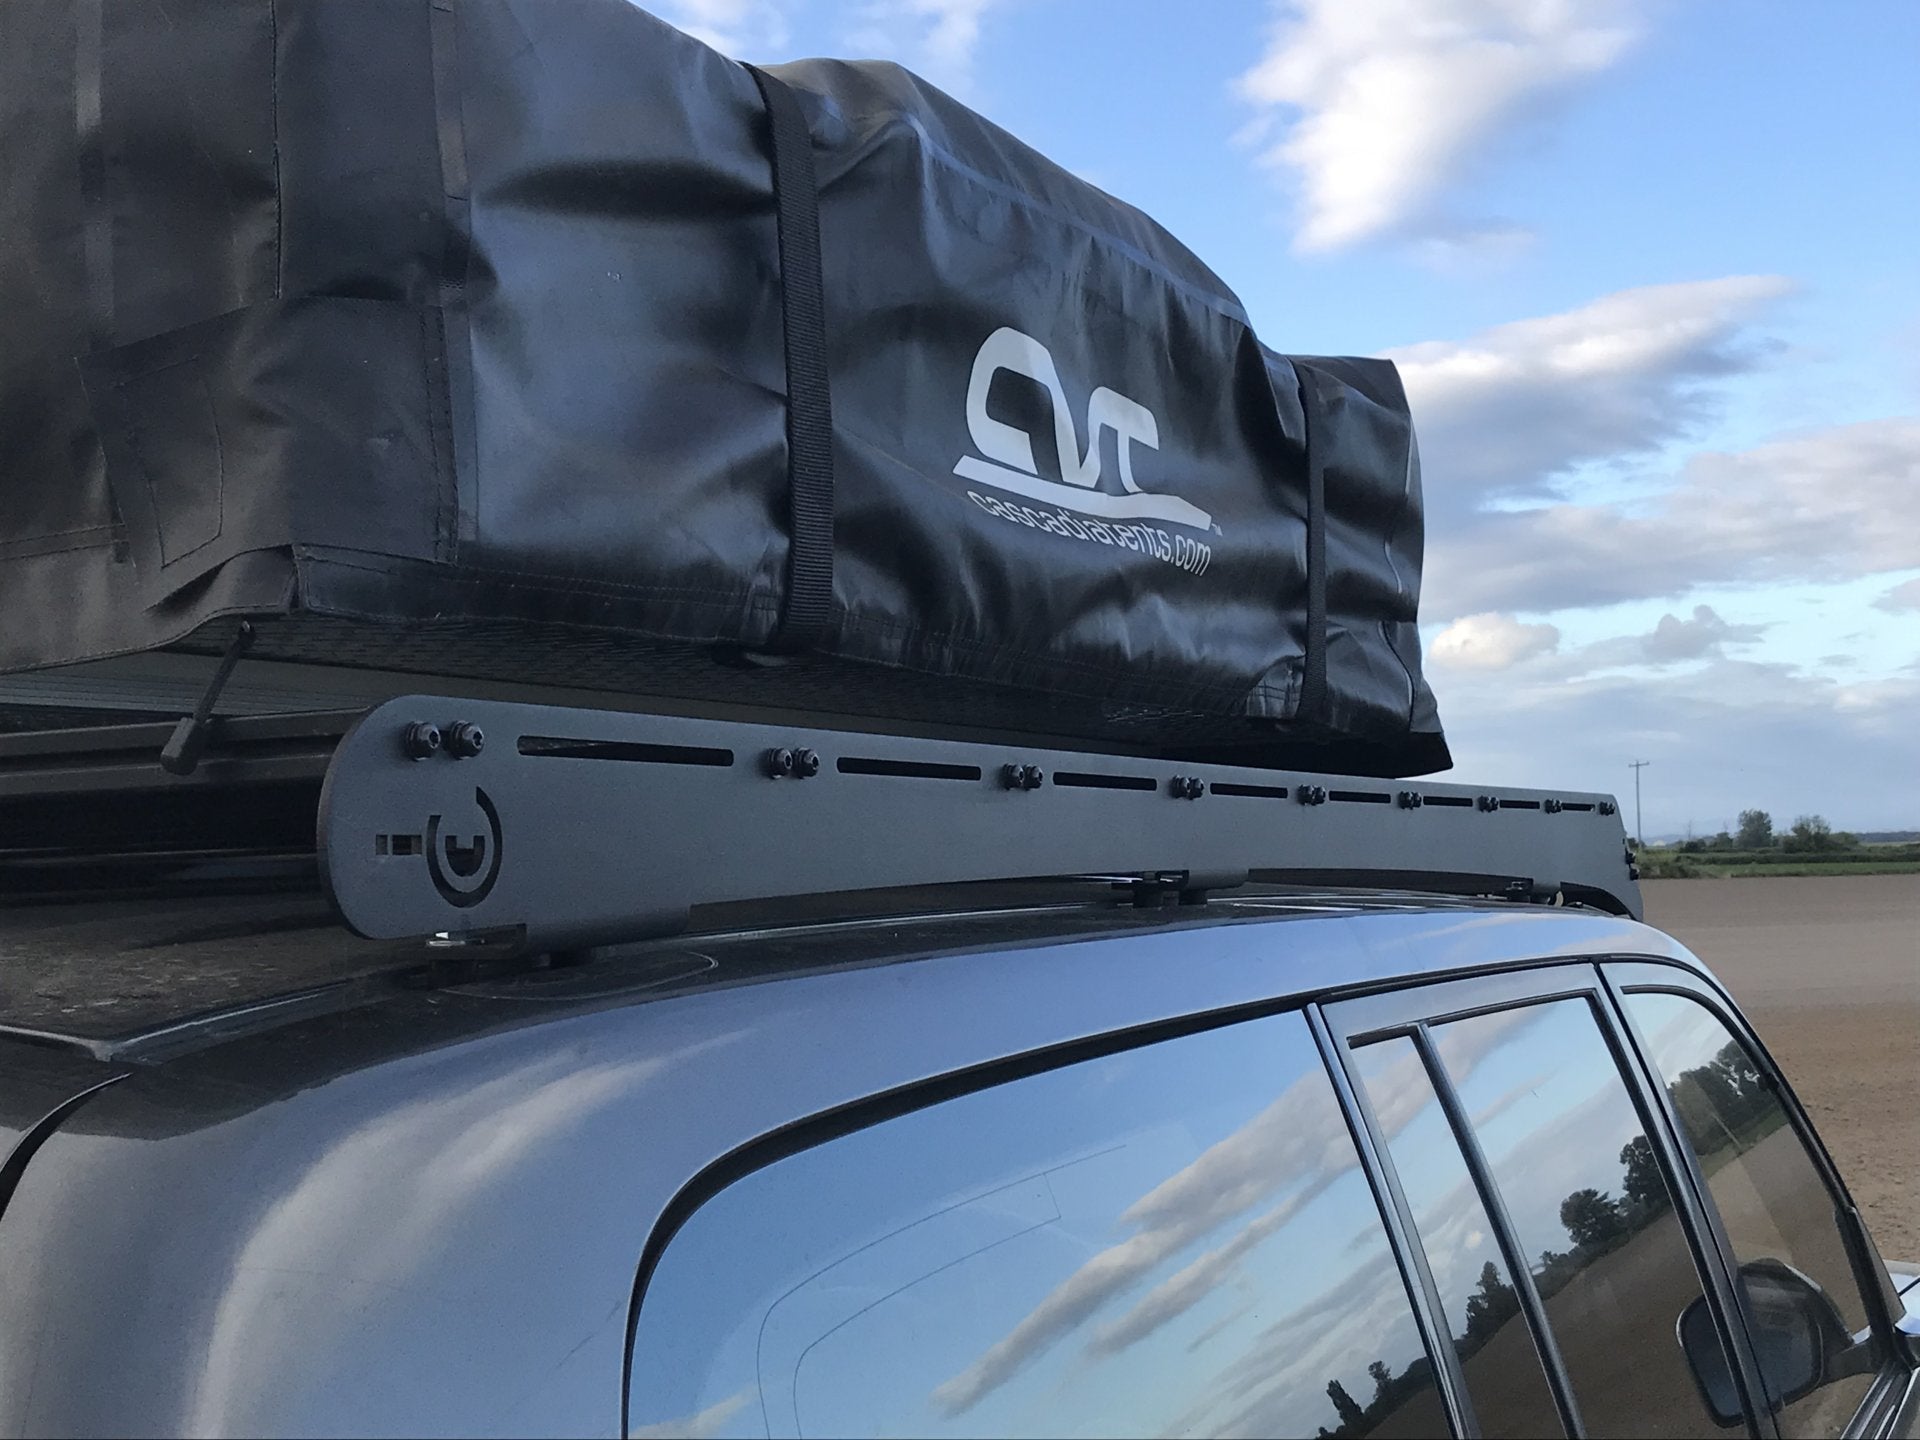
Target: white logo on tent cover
pixel 1009 463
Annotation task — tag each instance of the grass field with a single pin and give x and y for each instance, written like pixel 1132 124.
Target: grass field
pixel 1836 867
pixel 1666 862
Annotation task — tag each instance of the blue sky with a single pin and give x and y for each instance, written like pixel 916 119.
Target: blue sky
pixel 1649 271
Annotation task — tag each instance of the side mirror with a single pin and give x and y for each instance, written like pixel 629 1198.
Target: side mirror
pixel 1799 1340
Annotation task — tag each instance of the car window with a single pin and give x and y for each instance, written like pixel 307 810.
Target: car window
pixel 1172 1239
pixel 1770 1196
pixel 1505 1378
pixel 1587 1201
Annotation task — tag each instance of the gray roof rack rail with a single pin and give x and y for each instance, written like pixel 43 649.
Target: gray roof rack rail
pixel 564 828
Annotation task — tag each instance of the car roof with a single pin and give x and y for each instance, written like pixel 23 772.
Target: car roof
pixel 146 974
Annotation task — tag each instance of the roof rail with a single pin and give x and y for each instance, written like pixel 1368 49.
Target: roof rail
pixel 563 828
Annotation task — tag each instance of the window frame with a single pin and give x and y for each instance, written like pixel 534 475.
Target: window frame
pixel 1411 1011
pixel 1637 975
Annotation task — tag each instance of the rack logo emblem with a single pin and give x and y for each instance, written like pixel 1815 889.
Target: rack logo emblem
pixel 1074 506
pixel 464 872
pixel 1008 462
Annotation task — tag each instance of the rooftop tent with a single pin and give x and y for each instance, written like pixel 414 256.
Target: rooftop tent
pixel 543 342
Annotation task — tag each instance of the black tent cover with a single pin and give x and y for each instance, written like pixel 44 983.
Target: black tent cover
pixel 542 341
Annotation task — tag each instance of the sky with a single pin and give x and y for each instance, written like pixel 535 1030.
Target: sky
pixel 1650 272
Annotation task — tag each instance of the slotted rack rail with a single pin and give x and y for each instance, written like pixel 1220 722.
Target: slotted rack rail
pixel 562 827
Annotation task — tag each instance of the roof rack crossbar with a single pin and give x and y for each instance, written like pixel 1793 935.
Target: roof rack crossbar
pixel 436 819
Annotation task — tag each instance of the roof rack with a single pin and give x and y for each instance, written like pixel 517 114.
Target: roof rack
pixel 561 828
pixel 557 827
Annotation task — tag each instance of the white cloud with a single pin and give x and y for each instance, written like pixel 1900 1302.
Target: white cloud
pixel 1505 411
pixel 1676 639
pixel 1902 597
pixel 1829 505
pixel 1295 1141
pixel 937 38
pixel 743 29
pixel 1495 642
pixel 1490 641
pixel 1390 100
pixel 704 1425
pixel 1283 1158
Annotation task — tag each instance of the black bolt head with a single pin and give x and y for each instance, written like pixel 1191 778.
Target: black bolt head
pixel 780 762
pixel 1411 799
pixel 420 740
pixel 1487 803
pixel 1311 795
pixel 806 763
pixel 464 740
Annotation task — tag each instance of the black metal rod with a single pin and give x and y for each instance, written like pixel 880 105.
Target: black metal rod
pixel 181 753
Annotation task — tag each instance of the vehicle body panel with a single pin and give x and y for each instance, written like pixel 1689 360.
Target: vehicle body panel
pixel 428 1213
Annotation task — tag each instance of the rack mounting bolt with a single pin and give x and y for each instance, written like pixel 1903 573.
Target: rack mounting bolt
pixel 1550 805
pixel 781 763
pixel 1022 777
pixel 806 763
pixel 464 739
pixel 1187 787
pixel 420 740
pixel 1487 804
pixel 1311 794
pixel 1410 799
pixel 1607 807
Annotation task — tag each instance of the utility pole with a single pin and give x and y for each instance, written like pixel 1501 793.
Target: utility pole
pixel 1639 833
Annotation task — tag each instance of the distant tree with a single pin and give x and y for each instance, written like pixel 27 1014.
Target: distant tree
pixel 1642 1181
pixel 1489 1307
pixel 1722 841
pixel 1755 831
pixel 1382 1378
pixel 1726 1096
pixel 1809 833
pixel 1352 1418
pixel 1592 1218
pixel 1553 1270
pixel 1845 840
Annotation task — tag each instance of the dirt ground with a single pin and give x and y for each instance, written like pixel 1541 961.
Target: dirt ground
pixel 1828 970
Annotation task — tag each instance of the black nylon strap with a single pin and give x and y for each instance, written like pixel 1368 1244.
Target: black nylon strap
pixel 803 311
pixel 1315 698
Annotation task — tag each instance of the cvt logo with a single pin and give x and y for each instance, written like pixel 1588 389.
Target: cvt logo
pixel 1008 450
pixel 454 866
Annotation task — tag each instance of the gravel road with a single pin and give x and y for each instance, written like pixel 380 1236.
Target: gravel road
pixel 1828 971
